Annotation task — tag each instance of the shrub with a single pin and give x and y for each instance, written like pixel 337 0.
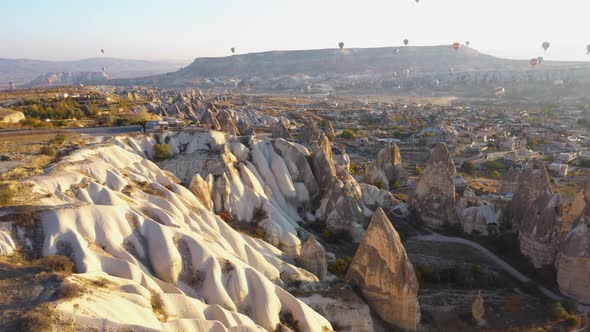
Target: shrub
pixel 493 165
pixel 331 136
pixel 419 170
pixel 225 216
pixel 31 122
pixel 48 151
pixel 287 319
pixel 7 194
pixel 380 185
pixel 559 312
pixel 395 185
pixel 340 265
pixel 495 174
pixel 58 139
pixel 58 264
pixel 402 197
pixel 69 291
pixel 38 319
pixel 347 133
pixel 468 167
pixel 162 151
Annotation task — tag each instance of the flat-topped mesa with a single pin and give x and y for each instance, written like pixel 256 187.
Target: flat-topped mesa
pixel 573 262
pixel 434 196
pixel 385 275
pixel 281 131
pixel 387 169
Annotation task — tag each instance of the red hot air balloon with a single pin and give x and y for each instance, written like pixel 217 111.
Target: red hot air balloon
pixel 341 45
pixel 406 42
pixel 534 61
pixel 456 46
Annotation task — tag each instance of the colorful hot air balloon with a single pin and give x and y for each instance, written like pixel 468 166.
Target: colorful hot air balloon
pixel 406 42
pixel 456 46
pixel 499 91
pixel 341 45
pixel 545 45
pixel 533 62
pixel 540 59
pixel 467 43
pixel 233 50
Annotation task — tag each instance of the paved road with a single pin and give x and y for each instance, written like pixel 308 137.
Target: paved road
pixel 509 269
pixel 91 131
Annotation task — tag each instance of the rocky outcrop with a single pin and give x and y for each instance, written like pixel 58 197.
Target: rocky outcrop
pixel 10 116
pixel 344 309
pixel 387 169
pixel 573 262
pixel 385 275
pixel 532 182
pixel 313 258
pixel 281 131
pixel 309 133
pixel 434 196
pixel 477 309
pixel 509 182
pixel 477 218
pixel 209 120
pixel 341 205
pixel 227 123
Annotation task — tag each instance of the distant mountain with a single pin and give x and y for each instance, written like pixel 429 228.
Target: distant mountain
pixel 420 70
pixel 22 71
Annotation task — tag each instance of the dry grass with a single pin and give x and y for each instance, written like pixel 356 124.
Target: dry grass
pixel 38 319
pixel 158 307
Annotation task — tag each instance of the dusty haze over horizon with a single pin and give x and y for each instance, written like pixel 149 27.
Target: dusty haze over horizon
pixel 187 29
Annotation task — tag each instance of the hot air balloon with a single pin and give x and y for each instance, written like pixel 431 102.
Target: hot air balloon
pixel 456 46
pixel 406 42
pixel 233 50
pixel 102 68
pixel 499 91
pixel 49 81
pixel 417 1
pixel 588 49
pixel 102 50
pixel 436 83
pixel 467 43
pixel 341 45
pixel 533 62
pixel 540 59
pixel 545 45
pixel 407 72
pixel 558 82
pixel 11 85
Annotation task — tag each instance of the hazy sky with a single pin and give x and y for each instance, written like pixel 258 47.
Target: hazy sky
pixel 185 29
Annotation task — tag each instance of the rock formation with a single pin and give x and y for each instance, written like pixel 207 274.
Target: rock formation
pixel 509 182
pixel 209 120
pixel 122 219
pixel 387 169
pixel 309 134
pixel 385 275
pixel 313 258
pixel 434 195
pixel 281 131
pixel 10 116
pixel 533 181
pixel 477 309
pixel 344 309
pixel 573 262
pixel 227 123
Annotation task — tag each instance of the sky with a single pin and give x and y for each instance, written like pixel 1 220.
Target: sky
pixel 186 29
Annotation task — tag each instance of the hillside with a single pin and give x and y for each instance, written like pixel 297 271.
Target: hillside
pixel 24 70
pixel 428 69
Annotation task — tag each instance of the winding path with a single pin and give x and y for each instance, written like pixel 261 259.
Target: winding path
pixel 507 267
